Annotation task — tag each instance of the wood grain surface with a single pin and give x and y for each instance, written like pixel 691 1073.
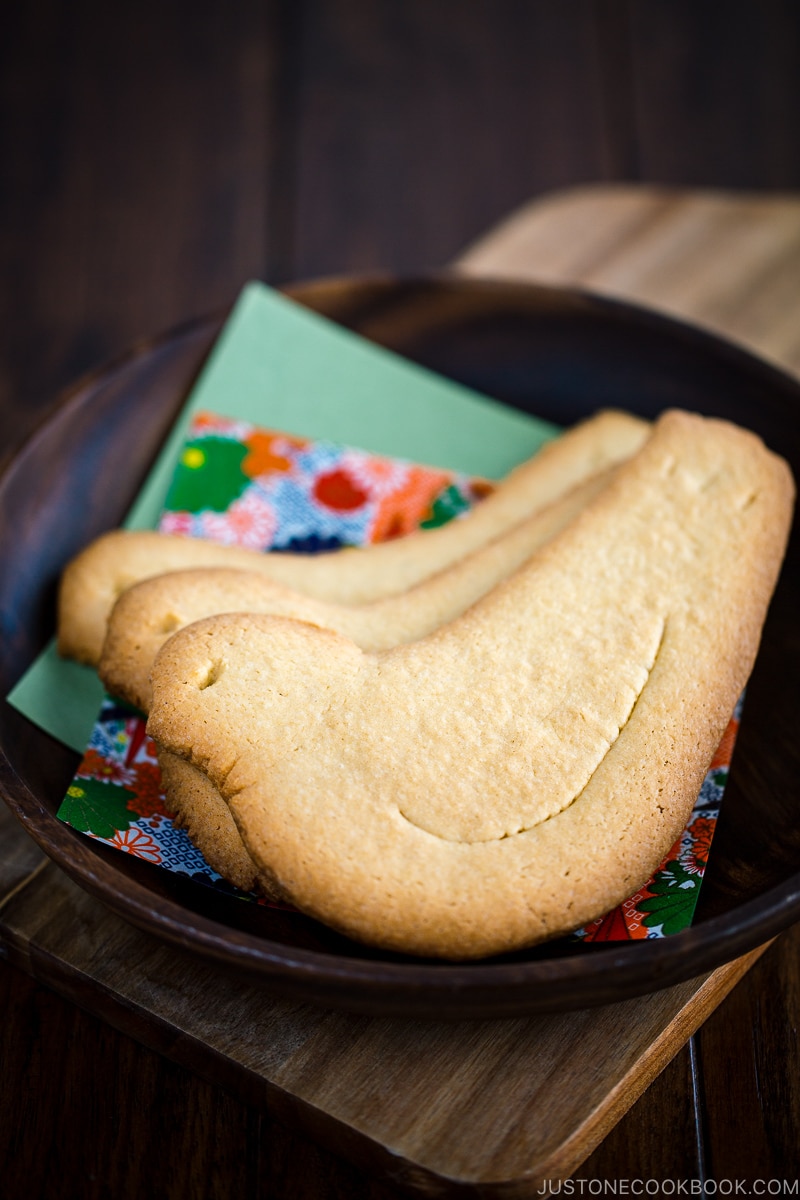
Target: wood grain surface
pixel 658 248
pixel 157 159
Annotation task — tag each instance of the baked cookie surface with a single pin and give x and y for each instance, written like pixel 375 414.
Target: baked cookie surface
pixel 94 580
pixel 524 768
pixel 151 611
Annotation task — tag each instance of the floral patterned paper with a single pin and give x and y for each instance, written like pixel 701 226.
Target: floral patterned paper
pixel 116 795
pixel 241 485
pixel 249 487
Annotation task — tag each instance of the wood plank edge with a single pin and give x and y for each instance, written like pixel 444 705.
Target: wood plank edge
pixel 339 1138
pixel 712 990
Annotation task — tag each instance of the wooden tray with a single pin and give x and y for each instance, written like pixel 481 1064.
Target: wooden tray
pixel 491 1108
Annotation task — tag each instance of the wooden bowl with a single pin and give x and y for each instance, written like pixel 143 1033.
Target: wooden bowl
pixel 557 353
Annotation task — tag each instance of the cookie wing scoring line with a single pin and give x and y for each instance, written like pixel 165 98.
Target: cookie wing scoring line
pixel 551 816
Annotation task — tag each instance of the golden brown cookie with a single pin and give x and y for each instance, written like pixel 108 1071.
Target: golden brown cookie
pixel 99 574
pixel 523 769
pixel 205 816
pixel 149 612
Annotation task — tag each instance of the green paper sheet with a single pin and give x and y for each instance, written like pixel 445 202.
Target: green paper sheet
pixel 280 366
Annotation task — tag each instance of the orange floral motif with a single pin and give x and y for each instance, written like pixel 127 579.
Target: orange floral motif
pixel 139 844
pixel 724 753
pixel 263 456
pixel 405 509
pixel 702 831
pixel 149 798
pixel 208 422
pixel 205 420
pixel 96 766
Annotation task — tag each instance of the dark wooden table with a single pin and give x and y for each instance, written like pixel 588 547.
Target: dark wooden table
pixel 159 160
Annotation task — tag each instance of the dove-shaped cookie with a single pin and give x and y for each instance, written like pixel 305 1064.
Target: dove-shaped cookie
pixel 523 769
pixel 151 611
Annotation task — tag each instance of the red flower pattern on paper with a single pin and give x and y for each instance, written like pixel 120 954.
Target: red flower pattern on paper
pixel 610 928
pixel 96 766
pixel 149 798
pixel 701 831
pixel 340 491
